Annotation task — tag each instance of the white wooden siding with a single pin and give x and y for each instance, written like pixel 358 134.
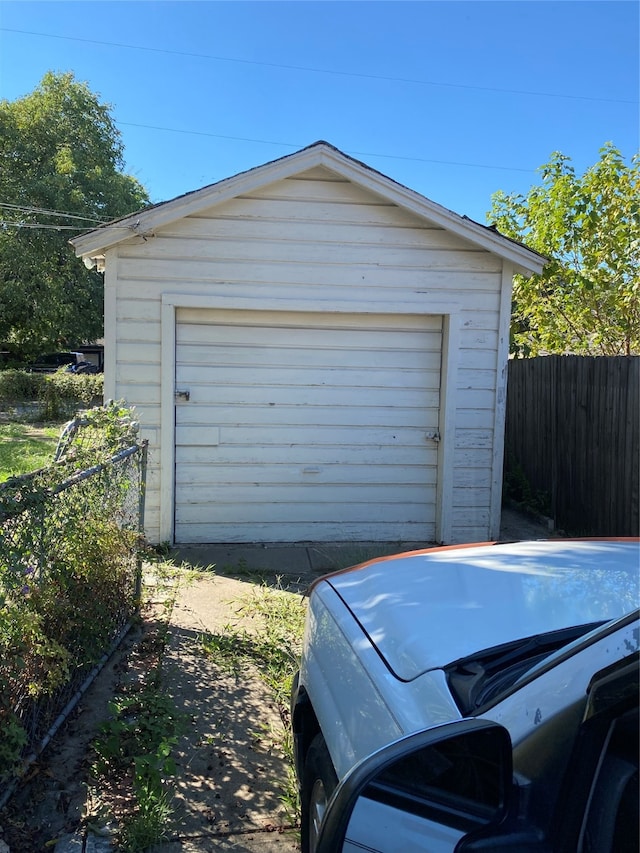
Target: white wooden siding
pixel 304 427
pixel 326 242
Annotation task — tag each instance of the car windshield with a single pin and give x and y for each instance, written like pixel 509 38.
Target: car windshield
pixel 476 680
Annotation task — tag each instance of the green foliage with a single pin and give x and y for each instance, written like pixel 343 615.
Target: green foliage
pixel 587 300
pixel 20 385
pixel 60 150
pixel 103 429
pixel 145 724
pixel 136 744
pixel 64 393
pixel 274 647
pixel 68 562
pixel 33 664
pixel 518 489
pixel 149 824
pixel 48 396
pixel 140 738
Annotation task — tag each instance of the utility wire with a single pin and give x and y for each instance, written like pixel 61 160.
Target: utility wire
pixel 4 224
pixel 298 145
pixel 48 212
pixel 353 74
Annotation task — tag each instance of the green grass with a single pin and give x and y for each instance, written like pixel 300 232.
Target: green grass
pixel 25 448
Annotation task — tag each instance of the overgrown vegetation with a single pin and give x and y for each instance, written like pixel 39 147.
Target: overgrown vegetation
pixel 68 563
pixel 47 396
pixel 273 647
pixel 517 488
pixel 133 758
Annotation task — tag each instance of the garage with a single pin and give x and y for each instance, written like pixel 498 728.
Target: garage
pixel 315 353
pixel 306 427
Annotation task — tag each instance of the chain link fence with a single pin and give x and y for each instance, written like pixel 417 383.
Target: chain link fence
pixel 70 564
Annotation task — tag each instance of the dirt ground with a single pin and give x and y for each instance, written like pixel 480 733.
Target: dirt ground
pixel 229 767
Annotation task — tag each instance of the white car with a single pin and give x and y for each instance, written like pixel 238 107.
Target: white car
pixel 473 698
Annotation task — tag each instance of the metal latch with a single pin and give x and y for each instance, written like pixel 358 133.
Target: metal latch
pixel 183 395
pixel 433 436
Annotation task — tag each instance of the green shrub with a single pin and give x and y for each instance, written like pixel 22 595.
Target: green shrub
pixel 49 396
pixel 64 393
pixel 68 569
pixel 19 386
pixel 517 488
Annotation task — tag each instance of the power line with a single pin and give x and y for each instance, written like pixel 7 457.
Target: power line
pixel 298 145
pixel 4 224
pixel 48 212
pixel 354 74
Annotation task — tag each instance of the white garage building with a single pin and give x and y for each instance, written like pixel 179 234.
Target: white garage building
pixel 315 352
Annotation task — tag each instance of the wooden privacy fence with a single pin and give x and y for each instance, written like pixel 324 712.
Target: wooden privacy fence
pixel 572 433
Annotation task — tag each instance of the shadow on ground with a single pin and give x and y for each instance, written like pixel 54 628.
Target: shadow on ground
pixel 230 768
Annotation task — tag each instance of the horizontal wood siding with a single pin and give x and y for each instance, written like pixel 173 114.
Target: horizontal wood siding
pixel 327 242
pixel 304 427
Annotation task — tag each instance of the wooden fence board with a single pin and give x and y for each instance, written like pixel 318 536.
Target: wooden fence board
pixel 573 430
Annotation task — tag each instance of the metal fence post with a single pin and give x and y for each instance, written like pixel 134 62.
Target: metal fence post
pixel 142 487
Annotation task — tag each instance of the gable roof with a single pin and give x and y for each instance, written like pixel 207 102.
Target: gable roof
pixel 93 244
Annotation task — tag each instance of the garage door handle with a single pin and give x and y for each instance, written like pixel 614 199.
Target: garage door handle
pixel 183 395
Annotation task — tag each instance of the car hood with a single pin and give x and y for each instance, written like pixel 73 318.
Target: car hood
pixel 425 610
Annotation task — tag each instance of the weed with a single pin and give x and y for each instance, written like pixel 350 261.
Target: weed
pixel 68 564
pixel 135 746
pixel 149 824
pixel 142 725
pixel 518 488
pixel 273 647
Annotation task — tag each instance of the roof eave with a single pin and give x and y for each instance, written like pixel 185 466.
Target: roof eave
pixel 94 243
pixel 524 259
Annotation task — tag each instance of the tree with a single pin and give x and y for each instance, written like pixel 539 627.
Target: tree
pixel 61 161
pixel 587 299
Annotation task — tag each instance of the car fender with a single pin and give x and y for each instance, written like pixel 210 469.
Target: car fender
pixel 359 704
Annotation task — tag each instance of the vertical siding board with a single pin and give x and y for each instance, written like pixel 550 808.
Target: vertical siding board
pixel 501 382
pixel 573 427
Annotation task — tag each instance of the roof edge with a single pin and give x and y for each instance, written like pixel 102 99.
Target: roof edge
pixel 94 243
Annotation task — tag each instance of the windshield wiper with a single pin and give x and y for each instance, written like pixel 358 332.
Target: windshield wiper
pixel 475 679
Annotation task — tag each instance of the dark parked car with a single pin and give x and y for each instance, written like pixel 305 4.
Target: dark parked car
pixel 50 362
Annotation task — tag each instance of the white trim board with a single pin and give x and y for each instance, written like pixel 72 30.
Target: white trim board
pixel 93 244
pixel 171 302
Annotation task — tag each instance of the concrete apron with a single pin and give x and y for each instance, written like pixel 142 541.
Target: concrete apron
pixel 305 559
pixel 309 559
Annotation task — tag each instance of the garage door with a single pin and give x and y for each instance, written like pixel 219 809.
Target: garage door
pixel 296 427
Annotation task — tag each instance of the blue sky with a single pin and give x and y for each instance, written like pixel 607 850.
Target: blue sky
pixel 453 99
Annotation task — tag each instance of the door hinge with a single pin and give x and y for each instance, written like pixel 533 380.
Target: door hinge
pixel 433 436
pixel 182 395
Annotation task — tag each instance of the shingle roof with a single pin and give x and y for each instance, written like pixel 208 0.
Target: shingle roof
pixel 94 243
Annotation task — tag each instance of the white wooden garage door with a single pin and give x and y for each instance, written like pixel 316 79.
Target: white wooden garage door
pixel 306 427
